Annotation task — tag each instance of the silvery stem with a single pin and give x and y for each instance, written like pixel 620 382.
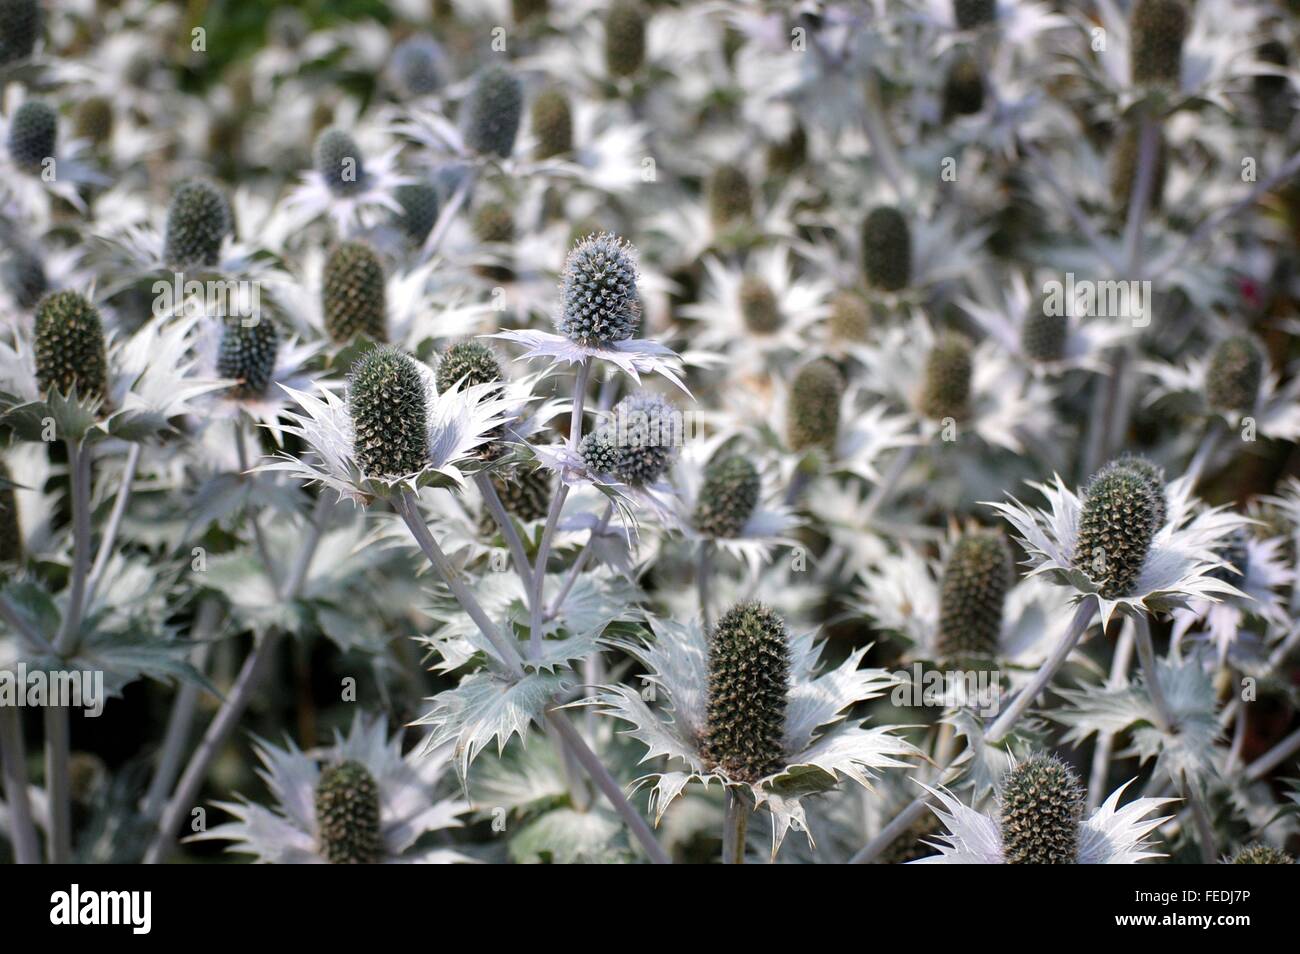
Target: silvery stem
pixel 1274 757
pixel 263 551
pixel 448 214
pixel 579 564
pixel 13 761
pixel 735 821
pixel 58 785
pixel 516 546
pixel 109 538
pixel 1106 740
pixel 882 491
pixel 79 477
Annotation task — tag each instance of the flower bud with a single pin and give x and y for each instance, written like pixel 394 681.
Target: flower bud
pixel 1258 853
pixel 1041 808
pixel 386 398
pixel 727 498
pixel 348 820
pixel 886 249
pixel 971 14
pixel 419 202
pixel 758 306
pixel 813 412
pixel 1234 375
pixel 624 38
pixel 598 293
pixel 1157 30
pixel 492 112
pixel 33 135
pixel 473 361
pixel 339 161
pixel 1117 524
pixel 975 583
pixel 850 318
pixel 247 355
pixel 198 220
pixel 730 197
pixel 552 123
pixel 70 353
pixel 20 28
pixel 353 295
pixel 946 381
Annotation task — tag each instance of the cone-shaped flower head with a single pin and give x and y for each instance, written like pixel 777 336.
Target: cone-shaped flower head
pixel 786 155
pixel 471 360
pixel 598 295
pixel 1043 334
pixel 198 219
pixel 70 351
pixel 913 844
pixel 599 450
pixel 850 317
pixel 963 87
pixel 24 276
pixel 353 294
pixel 970 14
pixel 20 28
pixel 624 38
pixel 1119 519
pixel 1258 853
pixel 748 690
pixel 727 498
pixel 93 120
pixel 1154 476
pixel 419 202
pixel 731 199
pixel 1234 375
pixel 813 412
pixel 247 354
pixel 1041 808
pixel 339 161
pixel 1158 29
pixel 1124 169
pixel 494 222
pixel 389 416
pixel 975 582
pixel 946 381
pixel 886 249
pixel 417 65
pixel 11 536
pixel 492 112
pixel 33 134
pixel 526 492
pixel 758 306
pixel 522 10
pixel 552 122
pixel 347 815
pixel 647 430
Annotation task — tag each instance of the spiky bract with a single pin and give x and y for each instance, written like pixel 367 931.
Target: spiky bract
pixel 70 351
pixel 886 249
pixel 813 412
pixel 386 399
pixel 348 816
pixel 354 299
pixel 598 294
pixel 727 498
pixel 1041 808
pixel 492 112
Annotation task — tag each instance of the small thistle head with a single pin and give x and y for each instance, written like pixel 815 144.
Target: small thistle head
pixel 386 399
pixel 786 155
pixel 1258 853
pixel 946 381
pixel 963 87
pixel 494 222
pixel 886 249
pixel 624 38
pixel 600 452
pixel 552 122
pixel 1235 552
pixel 20 28
pixel 33 134
pixel 247 355
pixel 727 498
pixel 1118 522
pixel 1041 806
pixel 11 535
pixel 525 493
pixel 1124 167
pixel 1158 28
pixel 473 361
pixel 1043 335
pixel 730 197
pixel 598 295
pixel 417 66
pixel 758 306
pixel 24 276
pixel 975 582
pixel 70 351
pixel 347 815
pixel 419 202
pixel 339 161
pixel 93 120
pixel 492 112
pixel 647 429
pixel 970 14
pixel 1234 375
pixel 813 412
pixel 522 10
pixel 1150 472
pixel 748 690
pixel 850 318
pixel 353 295
pixel 198 219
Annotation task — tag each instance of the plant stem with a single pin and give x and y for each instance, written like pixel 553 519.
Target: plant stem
pixel 882 491
pixel 79 478
pixel 13 761
pixel 516 546
pixel 263 552
pixel 58 785
pixel 876 125
pixel 109 537
pixel 1274 757
pixel 1101 754
pixel 579 564
pixel 889 834
pixel 448 215
pixel 735 821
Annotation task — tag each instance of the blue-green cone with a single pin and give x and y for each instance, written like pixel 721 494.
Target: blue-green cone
pixel 758 306
pixel 624 38
pixel 1152 474
pixel 1234 375
pixel 1258 853
pixel 730 196
pixel 1043 336
pixel 598 294
pixel 33 135
pixel 419 202
pixel 600 452
pixel 552 122
pixel 492 112
pixel 970 14
pixel 975 583
pixel 1157 30
pixel 20 28
pixel 648 432
pixel 348 816
pixel 24 276
pixel 748 691
pixel 886 249
pixel 946 381
pixel 1236 554
pixel 354 297
pixel 340 162
pixel 198 219
pixel 473 361
pixel 389 414
pixel 417 66
pixel 1041 808
pixel 813 411
pixel 1118 522
pixel 247 355
pixel 727 498
pixel 70 351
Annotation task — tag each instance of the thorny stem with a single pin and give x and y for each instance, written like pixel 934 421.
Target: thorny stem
pixel 1119 665
pixel 13 761
pixel 735 821
pixel 109 538
pixel 1209 445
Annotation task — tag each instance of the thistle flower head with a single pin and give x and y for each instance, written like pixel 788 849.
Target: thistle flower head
pixel 20 28
pixel 599 450
pixel 353 296
pixel 339 161
pixel 758 306
pixel 970 14
pixel 1043 335
pixel 93 120
pixel 946 380
pixel 347 815
pixel 730 197
pixel 492 112
pixel 198 219
pixel 748 689
pixel 786 155
pixel 70 351
pixel 494 222
pixel 552 122
pixel 598 294
pixel 1119 519
pixel 886 249
pixel 1258 853
pixel 647 430
pixel 963 87
pixel 526 493
pixel 521 10
pixel 24 276
pixel 386 399
pixel 1041 808
pixel 624 38
pixel 975 582
pixel 417 65
pixel 1154 476
pixel 1124 169
pixel 247 355
pixel 1234 375
pixel 1158 29
pixel 850 317
pixel 33 134
pixel 813 413
pixel 419 202
pixel 471 360
pixel 727 498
